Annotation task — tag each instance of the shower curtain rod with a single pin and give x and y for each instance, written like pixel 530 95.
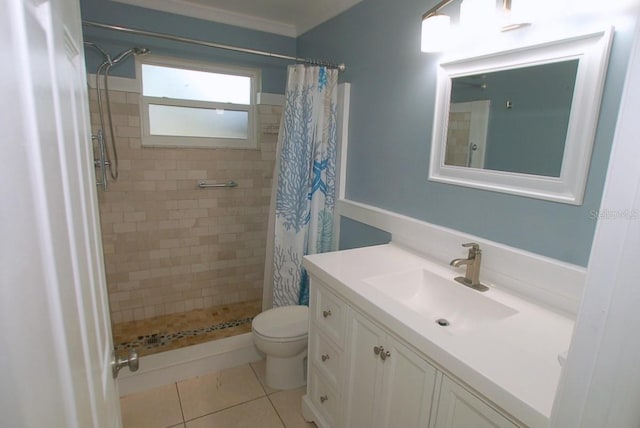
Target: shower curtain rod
pixel 340 67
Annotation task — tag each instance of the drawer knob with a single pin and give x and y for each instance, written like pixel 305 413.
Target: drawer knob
pixel 323 399
pixel 324 357
pixel 385 354
pixel 326 313
pixel 377 350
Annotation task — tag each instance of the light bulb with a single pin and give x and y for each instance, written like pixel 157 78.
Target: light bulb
pixel 435 33
pixel 478 16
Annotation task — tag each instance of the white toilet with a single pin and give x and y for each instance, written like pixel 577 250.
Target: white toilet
pixel 281 334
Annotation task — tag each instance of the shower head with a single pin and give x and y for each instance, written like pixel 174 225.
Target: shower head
pixel 108 60
pixel 124 54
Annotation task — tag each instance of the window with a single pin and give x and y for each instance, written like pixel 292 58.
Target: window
pixel 189 104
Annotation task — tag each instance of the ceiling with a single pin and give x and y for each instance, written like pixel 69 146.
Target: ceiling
pixel 286 17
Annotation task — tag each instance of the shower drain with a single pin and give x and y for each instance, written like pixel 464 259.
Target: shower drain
pixel 153 340
pixel 442 322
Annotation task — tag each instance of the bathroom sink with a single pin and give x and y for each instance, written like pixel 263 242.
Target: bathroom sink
pixel 454 307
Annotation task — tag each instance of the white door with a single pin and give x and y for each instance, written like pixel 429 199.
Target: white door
pixel 55 337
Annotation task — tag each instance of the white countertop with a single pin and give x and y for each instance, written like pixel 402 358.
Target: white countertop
pixel 513 362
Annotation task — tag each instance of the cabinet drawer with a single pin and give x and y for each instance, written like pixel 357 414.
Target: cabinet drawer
pixel 326 357
pixel 328 313
pixel 325 399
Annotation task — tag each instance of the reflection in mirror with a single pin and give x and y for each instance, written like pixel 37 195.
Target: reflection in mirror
pixel 512 120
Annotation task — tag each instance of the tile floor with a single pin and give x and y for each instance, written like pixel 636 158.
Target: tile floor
pixel 166 332
pixel 232 398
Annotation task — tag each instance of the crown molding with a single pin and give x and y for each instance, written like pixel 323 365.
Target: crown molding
pixel 310 21
pixel 210 13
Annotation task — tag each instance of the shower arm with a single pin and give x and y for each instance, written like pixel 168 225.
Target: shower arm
pixel 105 55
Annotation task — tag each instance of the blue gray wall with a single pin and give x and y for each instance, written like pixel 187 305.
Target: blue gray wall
pixel 111 12
pixel 354 234
pixel 392 95
pixel 393 88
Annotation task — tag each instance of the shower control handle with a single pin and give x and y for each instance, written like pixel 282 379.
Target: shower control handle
pixel 117 363
pixel 102 161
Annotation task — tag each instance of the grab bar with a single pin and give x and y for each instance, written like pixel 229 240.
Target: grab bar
pixel 204 184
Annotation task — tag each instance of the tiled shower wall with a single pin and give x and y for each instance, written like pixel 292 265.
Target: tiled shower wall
pixel 169 246
pixel 457 152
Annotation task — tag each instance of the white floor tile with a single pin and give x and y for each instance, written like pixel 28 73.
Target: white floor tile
pixel 259 368
pixel 288 404
pixel 157 407
pixel 256 413
pixel 207 394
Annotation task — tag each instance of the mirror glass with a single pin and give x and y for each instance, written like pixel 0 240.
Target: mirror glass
pixel 520 117
pixel 511 120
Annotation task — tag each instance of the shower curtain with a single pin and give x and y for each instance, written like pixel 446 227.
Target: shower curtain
pixel 304 179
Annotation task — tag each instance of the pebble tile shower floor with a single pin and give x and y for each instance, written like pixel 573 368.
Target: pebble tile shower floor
pixel 167 332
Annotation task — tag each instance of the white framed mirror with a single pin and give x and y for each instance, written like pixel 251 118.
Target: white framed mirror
pixel 522 120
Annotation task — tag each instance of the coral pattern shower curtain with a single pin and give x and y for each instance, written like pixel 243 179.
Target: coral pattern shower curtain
pixel 305 173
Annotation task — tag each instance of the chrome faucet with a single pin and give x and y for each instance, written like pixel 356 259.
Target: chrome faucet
pixel 472 276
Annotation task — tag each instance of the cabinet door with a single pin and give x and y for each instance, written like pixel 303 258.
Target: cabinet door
pixel 407 388
pixel 459 408
pixel 363 371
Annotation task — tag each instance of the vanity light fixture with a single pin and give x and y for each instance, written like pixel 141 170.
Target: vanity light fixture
pixel 435 33
pixel 478 14
pixel 516 14
pixel 436 27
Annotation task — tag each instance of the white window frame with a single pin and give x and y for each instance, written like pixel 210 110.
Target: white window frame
pixel 148 140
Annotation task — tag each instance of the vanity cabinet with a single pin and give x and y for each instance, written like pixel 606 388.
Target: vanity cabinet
pixel 386 383
pixel 360 375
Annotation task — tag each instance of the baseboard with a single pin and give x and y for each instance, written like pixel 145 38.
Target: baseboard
pixel 550 282
pixel 184 363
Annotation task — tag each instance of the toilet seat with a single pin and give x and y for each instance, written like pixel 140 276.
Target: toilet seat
pixel 283 324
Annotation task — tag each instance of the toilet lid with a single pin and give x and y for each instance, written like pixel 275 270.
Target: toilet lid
pixel 283 322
